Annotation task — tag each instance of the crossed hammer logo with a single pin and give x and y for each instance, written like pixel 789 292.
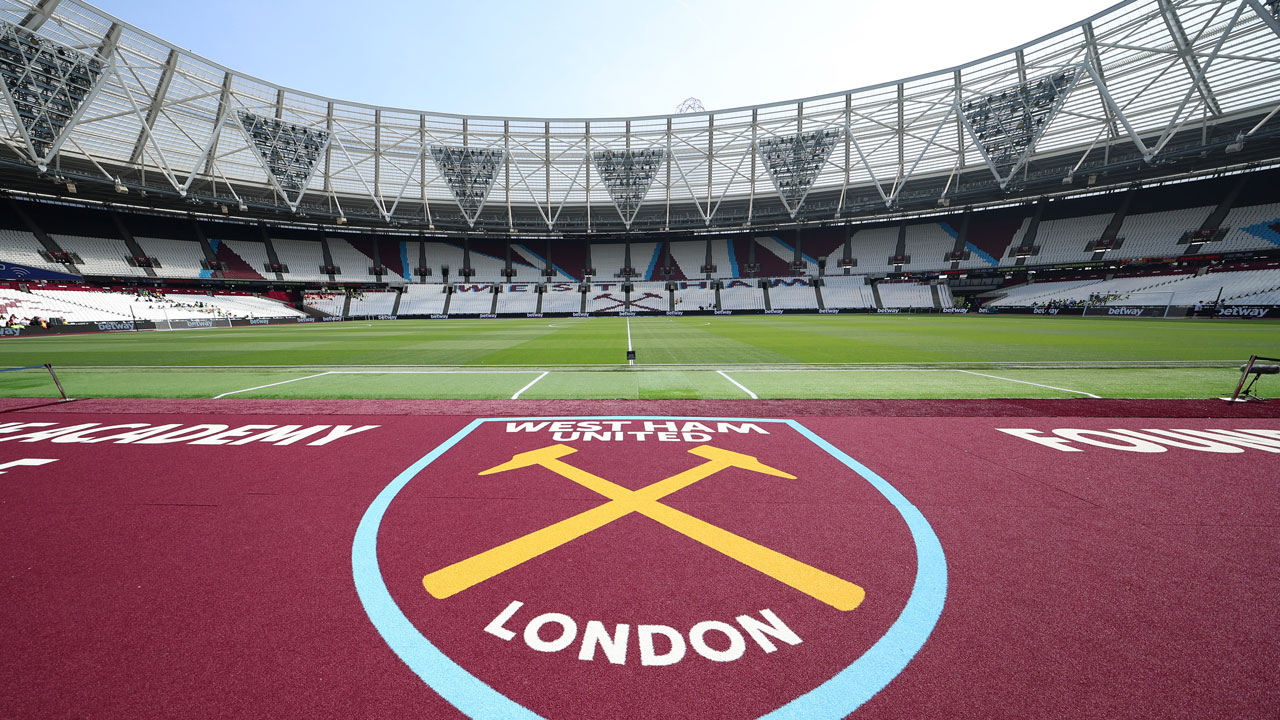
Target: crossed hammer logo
pixel 820 585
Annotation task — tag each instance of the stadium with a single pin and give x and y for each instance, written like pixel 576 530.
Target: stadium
pixel 394 411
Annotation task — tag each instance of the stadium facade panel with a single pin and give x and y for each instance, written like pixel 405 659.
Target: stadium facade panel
pixel 1145 89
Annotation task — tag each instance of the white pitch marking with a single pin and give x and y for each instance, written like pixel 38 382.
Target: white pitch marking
pixel 430 372
pixel 741 387
pixel 282 382
pixel 526 387
pixel 629 348
pixel 1026 382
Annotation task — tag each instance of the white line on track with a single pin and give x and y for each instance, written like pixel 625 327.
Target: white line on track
pixel 283 382
pixel 741 387
pixel 1027 382
pixel 526 387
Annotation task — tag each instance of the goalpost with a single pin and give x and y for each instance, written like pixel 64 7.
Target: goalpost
pixel 56 383
pixel 191 323
pixel 1150 303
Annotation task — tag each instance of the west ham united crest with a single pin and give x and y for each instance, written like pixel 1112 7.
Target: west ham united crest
pixel 640 567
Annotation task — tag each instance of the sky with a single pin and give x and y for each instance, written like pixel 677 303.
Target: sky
pixel 591 58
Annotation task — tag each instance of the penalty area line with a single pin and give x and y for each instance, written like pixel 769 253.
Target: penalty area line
pixel 531 384
pixel 741 387
pixel 1027 382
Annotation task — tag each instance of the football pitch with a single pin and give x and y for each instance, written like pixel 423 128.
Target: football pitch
pixel 799 356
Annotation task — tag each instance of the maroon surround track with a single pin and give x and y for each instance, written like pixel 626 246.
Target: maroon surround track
pixel 1086 575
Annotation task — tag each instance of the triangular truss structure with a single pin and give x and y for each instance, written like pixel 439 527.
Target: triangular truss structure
pixel 628 174
pixel 794 162
pixel 1007 123
pixel 470 173
pixel 289 152
pixel 46 85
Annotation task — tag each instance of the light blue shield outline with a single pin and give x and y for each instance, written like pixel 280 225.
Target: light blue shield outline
pixel 838 697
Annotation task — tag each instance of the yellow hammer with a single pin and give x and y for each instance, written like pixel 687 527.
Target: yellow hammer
pixel 823 586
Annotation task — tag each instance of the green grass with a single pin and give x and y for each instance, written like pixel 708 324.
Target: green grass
pixel 793 356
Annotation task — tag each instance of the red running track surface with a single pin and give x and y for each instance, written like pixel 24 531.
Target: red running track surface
pixel 179 579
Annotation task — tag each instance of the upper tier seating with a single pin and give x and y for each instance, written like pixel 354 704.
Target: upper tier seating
pixel 352 264
pixel 608 258
pixel 178 258
pixel 254 254
pixel 1063 241
pixel 303 258
pixel 100 256
pixel 1249 228
pixel 927 246
pixel 872 248
pixel 22 248
pixel 1156 234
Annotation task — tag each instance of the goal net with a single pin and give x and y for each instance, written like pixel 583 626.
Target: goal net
pixel 1134 304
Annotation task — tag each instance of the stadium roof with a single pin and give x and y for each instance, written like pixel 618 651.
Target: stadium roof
pixel 1147 83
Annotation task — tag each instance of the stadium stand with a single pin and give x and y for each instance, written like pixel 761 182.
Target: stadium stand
pixel 648 297
pixel 990 236
pixel 471 299
pixel 22 248
pixel 606 298
pixel 177 258
pixel 353 265
pixel 27 305
pixel 609 259
pixel 1250 228
pixel 1025 295
pixel 517 299
pixel 1063 241
pixel 99 256
pixel 1157 234
pixel 561 298
pixel 371 303
pixel 927 246
pixel 741 295
pixel 872 248
pixel 694 295
pixel 907 295
pixel 441 255
pixel 423 300
pixel 792 294
pixel 849 292
pixel 247 258
pixel 303 258
pixel 326 302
